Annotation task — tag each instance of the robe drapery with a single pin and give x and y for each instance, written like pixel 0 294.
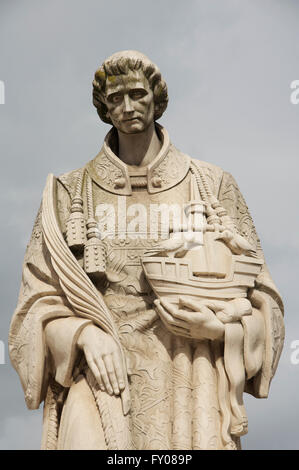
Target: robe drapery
pixel 178 400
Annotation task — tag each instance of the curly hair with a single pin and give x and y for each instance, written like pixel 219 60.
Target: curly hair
pixel 122 63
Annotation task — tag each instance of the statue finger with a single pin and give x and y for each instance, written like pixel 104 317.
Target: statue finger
pixel 216 305
pixel 104 375
pixel 108 361
pixel 176 317
pixel 117 361
pixel 169 307
pixel 196 306
pixel 224 317
pixel 181 331
pixel 201 306
pixel 95 371
pixel 164 315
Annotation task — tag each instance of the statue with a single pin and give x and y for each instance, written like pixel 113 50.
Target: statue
pixel 146 308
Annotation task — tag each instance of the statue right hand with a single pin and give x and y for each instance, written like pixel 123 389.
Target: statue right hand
pixel 103 358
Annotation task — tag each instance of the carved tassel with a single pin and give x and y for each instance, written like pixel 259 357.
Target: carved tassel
pixel 75 226
pixel 195 212
pixel 226 220
pixel 212 217
pixel 216 214
pixel 94 251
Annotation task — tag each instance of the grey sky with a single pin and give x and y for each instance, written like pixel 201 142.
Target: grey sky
pixel 228 65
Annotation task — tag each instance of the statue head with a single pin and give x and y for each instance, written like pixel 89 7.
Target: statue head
pixel 129 92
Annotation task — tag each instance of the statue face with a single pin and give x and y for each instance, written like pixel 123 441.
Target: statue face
pixel 130 102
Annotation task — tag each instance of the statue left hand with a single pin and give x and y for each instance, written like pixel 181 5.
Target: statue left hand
pixel 198 322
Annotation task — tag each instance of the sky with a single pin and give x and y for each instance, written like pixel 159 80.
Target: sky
pixel 228 65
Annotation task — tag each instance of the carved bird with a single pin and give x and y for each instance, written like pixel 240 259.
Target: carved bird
pixel 237 244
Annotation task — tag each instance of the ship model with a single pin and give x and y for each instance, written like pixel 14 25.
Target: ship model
pixel 207 258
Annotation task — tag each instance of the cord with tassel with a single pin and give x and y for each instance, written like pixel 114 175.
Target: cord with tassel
pixel 94 250
pixel 75 225
pixel 217 216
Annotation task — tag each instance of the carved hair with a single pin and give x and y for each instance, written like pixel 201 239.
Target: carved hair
pixel 122 63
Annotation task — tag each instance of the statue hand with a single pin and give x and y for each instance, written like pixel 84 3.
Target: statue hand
pixel 232 310
pixel 196 320
pixel 229 311
pixel 103 358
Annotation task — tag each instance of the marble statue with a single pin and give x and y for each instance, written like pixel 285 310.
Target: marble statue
pixel 146 308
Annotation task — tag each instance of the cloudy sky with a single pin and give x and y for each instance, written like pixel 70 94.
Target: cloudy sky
pixel 228 65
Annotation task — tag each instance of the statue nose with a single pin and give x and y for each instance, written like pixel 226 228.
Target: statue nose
pixel 128 108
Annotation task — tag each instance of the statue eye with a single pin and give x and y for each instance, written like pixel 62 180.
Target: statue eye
pixel 115 98
pixel 137 94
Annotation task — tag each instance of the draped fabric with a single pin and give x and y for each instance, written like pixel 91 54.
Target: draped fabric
pixel 179 387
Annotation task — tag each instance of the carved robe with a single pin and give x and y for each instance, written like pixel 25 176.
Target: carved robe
pixel 176 400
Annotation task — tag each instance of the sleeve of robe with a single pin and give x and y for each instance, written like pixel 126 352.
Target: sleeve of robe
pixel 264 331
pixel 44 328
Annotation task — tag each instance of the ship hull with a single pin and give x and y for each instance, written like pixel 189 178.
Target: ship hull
pixel 173 277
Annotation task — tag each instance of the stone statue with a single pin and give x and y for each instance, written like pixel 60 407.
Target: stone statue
pixel 146 307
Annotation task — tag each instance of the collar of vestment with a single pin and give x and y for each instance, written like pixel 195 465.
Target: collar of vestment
pixel 168 168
